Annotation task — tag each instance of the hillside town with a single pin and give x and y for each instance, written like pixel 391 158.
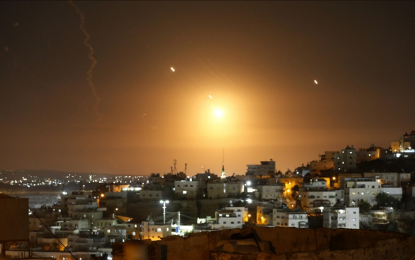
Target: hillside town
pixel 352 188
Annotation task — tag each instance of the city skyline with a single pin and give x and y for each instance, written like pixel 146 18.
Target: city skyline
pixel 127 87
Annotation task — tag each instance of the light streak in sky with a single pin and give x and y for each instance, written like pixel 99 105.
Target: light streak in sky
pixel 315 81
pixel 172 69
pixel 90 57
pixel 210 97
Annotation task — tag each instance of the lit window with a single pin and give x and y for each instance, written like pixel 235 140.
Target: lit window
pixel 184 192
pixel 133 233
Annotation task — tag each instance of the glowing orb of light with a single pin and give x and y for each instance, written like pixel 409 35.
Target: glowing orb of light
pixel 172 69
pixel 218 113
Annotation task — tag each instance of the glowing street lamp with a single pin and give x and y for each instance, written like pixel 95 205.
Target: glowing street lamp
pixel 113 214
pixel 164 202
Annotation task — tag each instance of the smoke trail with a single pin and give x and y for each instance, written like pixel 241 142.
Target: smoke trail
pixel 90 56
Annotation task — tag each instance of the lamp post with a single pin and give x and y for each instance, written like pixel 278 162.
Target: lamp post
pixel 164 202
pixel 113 214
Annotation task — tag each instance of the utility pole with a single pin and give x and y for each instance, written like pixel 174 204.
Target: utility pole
pixel 164 210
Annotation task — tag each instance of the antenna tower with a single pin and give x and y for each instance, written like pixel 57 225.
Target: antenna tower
pixel 175 169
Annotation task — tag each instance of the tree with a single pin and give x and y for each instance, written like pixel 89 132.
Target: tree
pixel 364 206
pixel 410 205
pixel 383 199
pixel 393 227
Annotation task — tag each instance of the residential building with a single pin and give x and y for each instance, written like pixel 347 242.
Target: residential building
pixel 264 215
pixel 289 218
pixel 341 217
pixel 313 200
pixel 152 231
pixel 186 189
pixel 150 194
pixel 234 188
pixel 345 160
pixel 386 178
pixel 395 192
pixel 271 192
pixel 405 143
pixel 230 217
pixel 361 189
pixel 263 169
pixel 216 189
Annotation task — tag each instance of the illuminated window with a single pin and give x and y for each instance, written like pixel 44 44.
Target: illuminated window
pixel 133 233
pixel 184 192
pixel 158 229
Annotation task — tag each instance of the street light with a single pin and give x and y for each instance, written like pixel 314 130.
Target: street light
pixel 164 202
pixel 113 214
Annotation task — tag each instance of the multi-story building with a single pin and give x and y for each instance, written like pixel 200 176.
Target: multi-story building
pixel 388 178
pixel 313 200
pixel 230 217
pixel 263 169
pixel 216 189
pixel 147 194
pixel 341 217
pixel 326 162
pixel 368 154
pixel 360 189
pixel 289 218
pixel 115 201
pixel 395 192
pixel 264 215
pixel 203 178
pixel 187 189
pixel 405 143
pixel 234 188
pixel 345 160
pixel 317 166
pixel 271 192
pixel 149 230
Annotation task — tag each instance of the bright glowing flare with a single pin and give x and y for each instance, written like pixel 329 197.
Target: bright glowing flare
pixel 218 113
pixel 315 81
pixel 172 69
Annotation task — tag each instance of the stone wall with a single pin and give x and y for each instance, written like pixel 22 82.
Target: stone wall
pixel 285 243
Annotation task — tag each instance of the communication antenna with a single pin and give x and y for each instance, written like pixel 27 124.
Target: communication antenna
pixel 185 168
pixel 174 169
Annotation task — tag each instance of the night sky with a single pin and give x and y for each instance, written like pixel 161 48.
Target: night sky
pixel 131 114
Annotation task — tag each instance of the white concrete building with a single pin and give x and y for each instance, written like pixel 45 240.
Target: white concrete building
pixel 360 189
pixel 341 217
pixel 289 218
pixel 395 192
pixel 313 199
pixel 230 217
